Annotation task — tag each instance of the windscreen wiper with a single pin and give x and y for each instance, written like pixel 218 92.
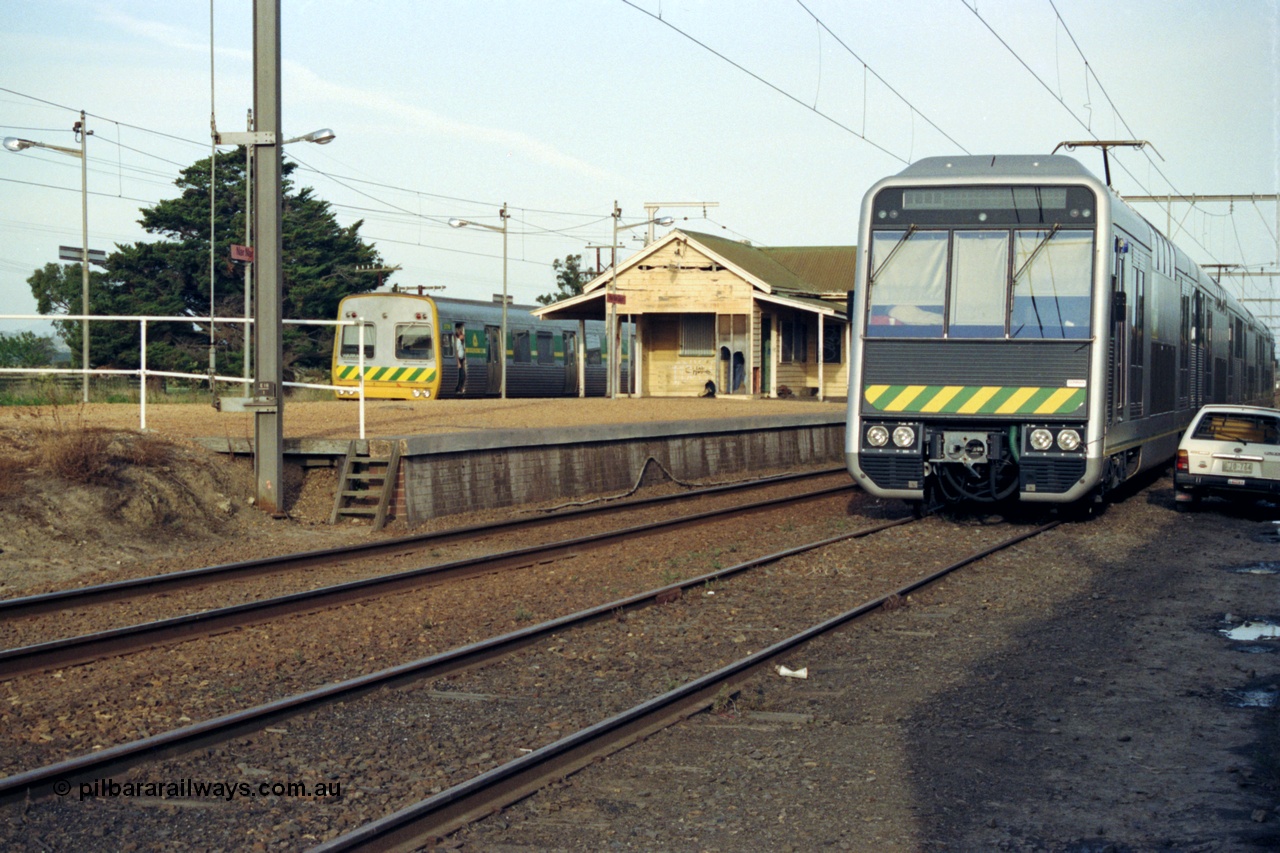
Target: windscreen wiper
pixel 906 235
pixel 1044 241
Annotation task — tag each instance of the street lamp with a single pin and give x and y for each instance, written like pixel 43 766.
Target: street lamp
pixel 81 129
pixel 462 223
pixel 615 341
pixel 323 136
pixel 250 140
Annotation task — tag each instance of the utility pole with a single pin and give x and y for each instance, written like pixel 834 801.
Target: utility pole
pixel 268 391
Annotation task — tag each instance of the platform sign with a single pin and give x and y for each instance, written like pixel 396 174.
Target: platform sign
pixel 615 298
pixel 75 253
pixel 241 253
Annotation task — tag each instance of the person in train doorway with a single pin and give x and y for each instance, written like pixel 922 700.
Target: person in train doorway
pixel 460 352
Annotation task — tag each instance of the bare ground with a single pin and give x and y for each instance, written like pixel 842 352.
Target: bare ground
pixel 1073 696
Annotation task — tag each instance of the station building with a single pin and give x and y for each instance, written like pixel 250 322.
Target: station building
pixel 708 312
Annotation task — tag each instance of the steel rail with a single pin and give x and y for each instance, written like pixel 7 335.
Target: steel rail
pixel 12 608
pixel 89 647
pixel 40 781
pixel 431 819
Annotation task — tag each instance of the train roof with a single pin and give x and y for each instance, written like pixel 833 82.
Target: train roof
pixel 998 166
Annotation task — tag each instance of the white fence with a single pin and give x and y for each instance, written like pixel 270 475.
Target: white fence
pixel 142 373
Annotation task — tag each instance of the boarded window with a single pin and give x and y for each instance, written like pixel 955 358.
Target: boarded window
pixel 698 334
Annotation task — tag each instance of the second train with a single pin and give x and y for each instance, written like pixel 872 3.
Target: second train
pixel 419 347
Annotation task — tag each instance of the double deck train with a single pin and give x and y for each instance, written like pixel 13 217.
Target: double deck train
pixel 412 344
pixel 1020 333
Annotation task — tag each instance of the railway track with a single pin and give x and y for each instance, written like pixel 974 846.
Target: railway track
pixel 168 583
pixel 506 781
pixel 68 651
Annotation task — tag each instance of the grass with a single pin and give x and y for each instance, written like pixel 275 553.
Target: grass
pixel 66 390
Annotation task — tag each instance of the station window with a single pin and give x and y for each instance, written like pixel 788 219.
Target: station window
pixel 832 336
pixel 795 341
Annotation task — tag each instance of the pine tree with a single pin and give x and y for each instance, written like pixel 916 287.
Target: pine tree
pixel 170 277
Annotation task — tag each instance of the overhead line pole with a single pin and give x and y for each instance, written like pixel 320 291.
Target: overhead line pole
pixel 1168 201
pixel 268 391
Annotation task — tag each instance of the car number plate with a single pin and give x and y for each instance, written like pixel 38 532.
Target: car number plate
pixel 1237 467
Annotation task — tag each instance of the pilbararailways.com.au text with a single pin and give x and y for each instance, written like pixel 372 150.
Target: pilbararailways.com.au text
pixel 228 790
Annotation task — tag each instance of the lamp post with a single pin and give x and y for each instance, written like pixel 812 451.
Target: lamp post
pixel 615 341
pixel 462 223
pixel 250 141
pixel 81 129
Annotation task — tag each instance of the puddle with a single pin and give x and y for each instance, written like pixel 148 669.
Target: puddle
pixel 1253 648
pixel 1262 697
pixel 1265 567
pixel 1252 631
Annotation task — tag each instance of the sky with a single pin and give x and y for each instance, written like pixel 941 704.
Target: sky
pixel 769 118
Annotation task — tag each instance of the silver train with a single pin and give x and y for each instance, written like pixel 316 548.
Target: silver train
pixel 1020 333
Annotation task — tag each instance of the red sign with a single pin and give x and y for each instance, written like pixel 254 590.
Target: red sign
pixel 241 253
pixel 615 298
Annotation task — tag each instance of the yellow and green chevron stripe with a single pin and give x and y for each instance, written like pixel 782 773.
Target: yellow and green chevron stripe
pixel 351 373
pixel 973 399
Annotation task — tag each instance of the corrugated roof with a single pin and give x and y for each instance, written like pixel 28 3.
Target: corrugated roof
pixel 788 269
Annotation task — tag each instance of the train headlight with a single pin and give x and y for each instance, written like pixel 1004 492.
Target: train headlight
pixel 1041 439
pixel 904 436
pixel 1068 440
pixel 877 436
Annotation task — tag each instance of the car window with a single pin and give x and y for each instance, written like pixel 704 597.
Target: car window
pixel 1257 429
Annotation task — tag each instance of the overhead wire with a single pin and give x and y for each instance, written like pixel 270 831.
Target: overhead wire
pixel 883 81
pixel 767 83
pixel 973 9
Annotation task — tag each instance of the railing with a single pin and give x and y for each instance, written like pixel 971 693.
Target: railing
pixel 143 373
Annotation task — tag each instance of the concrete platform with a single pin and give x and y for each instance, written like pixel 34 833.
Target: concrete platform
pixel 470 457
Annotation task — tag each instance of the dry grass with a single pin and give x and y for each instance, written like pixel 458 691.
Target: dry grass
pixel 63 445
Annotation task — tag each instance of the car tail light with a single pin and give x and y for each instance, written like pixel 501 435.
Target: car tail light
pixel 1182 464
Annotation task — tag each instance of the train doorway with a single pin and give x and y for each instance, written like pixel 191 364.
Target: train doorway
pixel 570 363
pixel 496 352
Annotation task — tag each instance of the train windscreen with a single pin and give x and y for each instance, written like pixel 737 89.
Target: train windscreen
pixel 981 262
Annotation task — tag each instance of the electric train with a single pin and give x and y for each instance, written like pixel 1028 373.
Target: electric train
pixel 412 343
pixel 1020 333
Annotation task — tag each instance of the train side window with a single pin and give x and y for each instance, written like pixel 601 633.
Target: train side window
pixel 593 349
pixel 908 284
pixel 415 342
pixel 521 351
pixel 546 352
pixel 351 341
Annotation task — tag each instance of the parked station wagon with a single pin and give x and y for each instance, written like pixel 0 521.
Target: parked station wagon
pixel 1229 451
